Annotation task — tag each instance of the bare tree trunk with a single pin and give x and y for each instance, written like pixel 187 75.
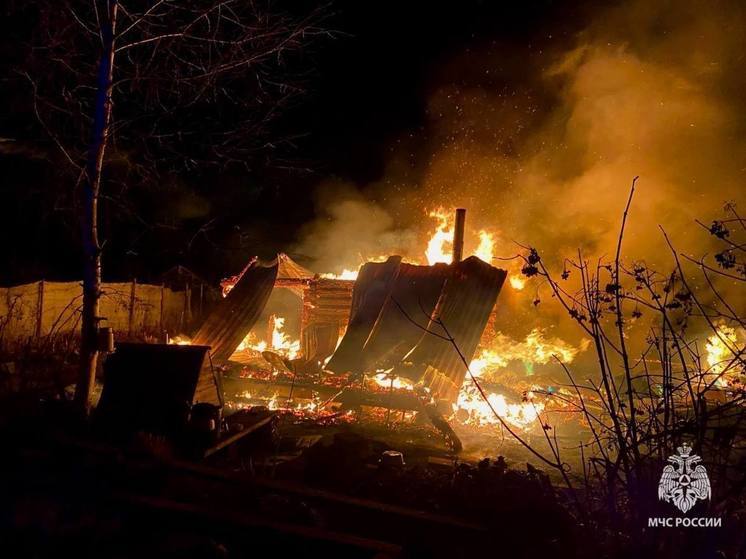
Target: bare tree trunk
pixel 89 210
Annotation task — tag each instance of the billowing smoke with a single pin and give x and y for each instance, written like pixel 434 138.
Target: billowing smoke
pixel 544 152
pixel 351 230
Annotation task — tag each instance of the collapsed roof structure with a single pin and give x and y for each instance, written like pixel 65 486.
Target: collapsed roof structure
pixel 423 323
pixel 325 308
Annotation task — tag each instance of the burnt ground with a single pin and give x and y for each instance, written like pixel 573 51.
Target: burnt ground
pixel 290 488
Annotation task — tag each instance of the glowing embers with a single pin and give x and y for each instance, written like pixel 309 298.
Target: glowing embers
pixel 227 284
pixel 472 409
pixel 278 403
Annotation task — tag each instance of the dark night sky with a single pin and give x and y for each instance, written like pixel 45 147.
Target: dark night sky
pixel 369 87
pixel 372 83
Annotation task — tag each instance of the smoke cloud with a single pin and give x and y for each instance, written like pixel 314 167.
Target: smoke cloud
pixel 541 145
pixel 545 152
pixel 351 230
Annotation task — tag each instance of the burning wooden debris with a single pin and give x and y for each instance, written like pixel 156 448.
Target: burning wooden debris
pixel 419 326
pixel 393 345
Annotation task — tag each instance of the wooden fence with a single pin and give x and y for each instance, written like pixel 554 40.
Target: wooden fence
pixel 43 309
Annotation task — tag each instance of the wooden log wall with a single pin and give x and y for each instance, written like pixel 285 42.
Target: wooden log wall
pixel 326 310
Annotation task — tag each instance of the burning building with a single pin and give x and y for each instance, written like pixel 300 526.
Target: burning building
pixel 420 324
pixel 415 336
pixel 401 334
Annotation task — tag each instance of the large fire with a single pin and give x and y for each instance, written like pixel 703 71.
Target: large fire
pixel 486 247
pixel 517 282
pixel 345 274
pixel 471 408
pixel 440 245
pixel 439 249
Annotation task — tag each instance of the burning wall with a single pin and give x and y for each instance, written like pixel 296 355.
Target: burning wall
pixel 399 318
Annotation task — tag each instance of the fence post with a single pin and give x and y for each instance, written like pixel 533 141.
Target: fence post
pixel 163 304
pixel 39 308
pixel 188 305
pixel 132 306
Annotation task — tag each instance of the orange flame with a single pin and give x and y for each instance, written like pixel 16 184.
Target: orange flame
pixel 280 342
pixel 472 409
pixel 440 246
pixel 180 340
pixel 345 274
pixel 720 355
pixel 384 380
pixel 439 249
pixel 517 282
pixel 485 249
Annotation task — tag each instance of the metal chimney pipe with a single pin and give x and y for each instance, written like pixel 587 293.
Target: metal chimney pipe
pixel 458 235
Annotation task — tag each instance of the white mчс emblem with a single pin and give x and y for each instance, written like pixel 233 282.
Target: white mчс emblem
pixel 684 481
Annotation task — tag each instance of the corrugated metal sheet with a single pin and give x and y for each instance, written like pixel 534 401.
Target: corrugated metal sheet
pixel 388 297
pixel 412 299
pixel 464 308
pixel 235 316
pixel 326 307
pixel 289 269
pixel 373 286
